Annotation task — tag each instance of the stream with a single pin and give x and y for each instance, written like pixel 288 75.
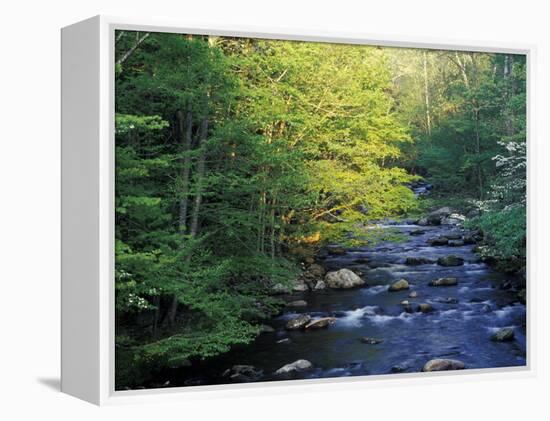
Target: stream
pixel 463 319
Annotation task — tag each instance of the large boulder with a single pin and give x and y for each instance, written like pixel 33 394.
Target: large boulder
pixel 505 334
pixel 443 364
pixel 450 261
pixel 320 323
pixel 298 322
pixel 343 279
pixel 444 282
pixel 399 285
pixel 295 367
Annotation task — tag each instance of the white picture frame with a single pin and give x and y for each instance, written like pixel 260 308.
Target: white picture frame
pixel 88 221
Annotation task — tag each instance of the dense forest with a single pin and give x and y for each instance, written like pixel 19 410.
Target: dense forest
pixel 239 160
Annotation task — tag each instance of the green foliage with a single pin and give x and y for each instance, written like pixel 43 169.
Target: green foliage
pixel 505 234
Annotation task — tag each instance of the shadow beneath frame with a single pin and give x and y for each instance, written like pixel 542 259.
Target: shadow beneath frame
pixel 53 383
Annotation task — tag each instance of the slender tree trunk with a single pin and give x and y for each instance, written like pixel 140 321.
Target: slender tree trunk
pixel 133 48
pixel 156 303
pixel 462 67
pixel 478 152
pixel 273 229
pixel 507 71
pixel 186 130
pixel 201 168
pixel 427 95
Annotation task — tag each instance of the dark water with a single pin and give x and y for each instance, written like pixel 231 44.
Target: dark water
pixel 461 330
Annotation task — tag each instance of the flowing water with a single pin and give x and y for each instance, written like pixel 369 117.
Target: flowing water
pixel 460 327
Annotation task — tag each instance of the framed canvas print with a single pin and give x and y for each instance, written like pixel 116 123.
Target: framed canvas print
pixel 249 208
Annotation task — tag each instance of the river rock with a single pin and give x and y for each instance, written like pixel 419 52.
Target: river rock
pixel 438 241
pixel 243 373
pixel 280 289
pixel 450 261
pixel 407 307
pixel 343 279
pixel 455 243
pixel 413 294
pixel 424 308
pixel 469 239
pixel 453 219
pixel 435 217
pixel 399 285
pixel 316 270
pixel 417 232
pixel 444 282
pixel 320 285
pixel 295 367
pixel 297 304
pixel 399 368
pixel 422 221
pixel 300 286
pixel 371 341
pixel 505 334
pixel 298 322
pixel 361 260
pixel 454 236
pixel 320 323
pixel 414 261
pixel 443 364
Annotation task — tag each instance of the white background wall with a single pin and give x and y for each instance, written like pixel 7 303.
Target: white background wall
pixel 29 220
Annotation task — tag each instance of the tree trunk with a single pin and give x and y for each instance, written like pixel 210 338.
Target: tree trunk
pixel 133 48
pixel 427 95
pixel 201 168
pixel 185 125
pixel 156 303
pixel 186 131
